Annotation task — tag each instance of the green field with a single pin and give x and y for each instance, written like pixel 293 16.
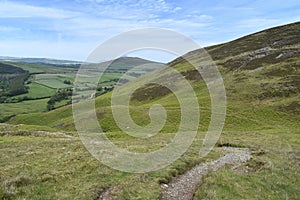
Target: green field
pixel 38 91
pixel 45 80
pixel 53 80
pixel 11 109
pixel 42 68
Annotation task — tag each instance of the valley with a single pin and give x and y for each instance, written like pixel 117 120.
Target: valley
pixel 42 156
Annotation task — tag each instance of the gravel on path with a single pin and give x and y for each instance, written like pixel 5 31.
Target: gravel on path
pixel 184 186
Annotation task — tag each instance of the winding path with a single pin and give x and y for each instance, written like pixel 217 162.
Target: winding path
pixel 183 187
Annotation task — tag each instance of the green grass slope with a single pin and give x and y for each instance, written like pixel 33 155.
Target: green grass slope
pixel 270 86
pixel 261 74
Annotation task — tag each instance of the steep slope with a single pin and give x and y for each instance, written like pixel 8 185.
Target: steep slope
pixel 261 67
pixel 275 41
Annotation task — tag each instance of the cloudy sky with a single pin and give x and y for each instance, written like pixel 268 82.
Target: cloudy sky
pixel 68 29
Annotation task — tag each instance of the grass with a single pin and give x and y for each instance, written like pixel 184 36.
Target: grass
pixel 273 168
pixel 60 167
pixel 51 168
pixel 41 68
pixel 272 136
pixel 38 91
pixel 52 80
pixel 44 80
pixel 261 115
pixel 12 109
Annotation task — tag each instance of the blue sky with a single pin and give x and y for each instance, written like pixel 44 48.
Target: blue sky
pixel 67 29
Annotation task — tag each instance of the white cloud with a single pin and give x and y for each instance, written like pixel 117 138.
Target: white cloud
pixel 97 29
pixel 150 5
pixel 9 29
pixel 18 10
pixel 177 9
pixel 49 49
pixel 82 25
pixel 107 18
pixel 257 23
pixel 75 34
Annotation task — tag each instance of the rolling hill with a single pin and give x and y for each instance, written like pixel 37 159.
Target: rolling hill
pixel 261 74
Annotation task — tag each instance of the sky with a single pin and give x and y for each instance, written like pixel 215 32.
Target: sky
pixel 66 29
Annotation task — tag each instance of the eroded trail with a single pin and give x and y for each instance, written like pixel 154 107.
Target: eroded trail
pixel 184 186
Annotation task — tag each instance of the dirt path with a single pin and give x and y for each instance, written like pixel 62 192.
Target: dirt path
pixel 183 187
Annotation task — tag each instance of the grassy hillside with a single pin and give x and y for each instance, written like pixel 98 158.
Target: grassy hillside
pixel 8 110
pixel 261 74
pixel 11 81
pixel 10 69
pixel 270 86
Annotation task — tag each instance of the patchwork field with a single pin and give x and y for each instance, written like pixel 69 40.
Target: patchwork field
pixel 45 80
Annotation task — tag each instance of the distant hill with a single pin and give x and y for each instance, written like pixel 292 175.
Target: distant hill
pixel 124 63
pixel 39 60
pixel 26 80
pixel 10 69
pixel 261 69
pixel 11 81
